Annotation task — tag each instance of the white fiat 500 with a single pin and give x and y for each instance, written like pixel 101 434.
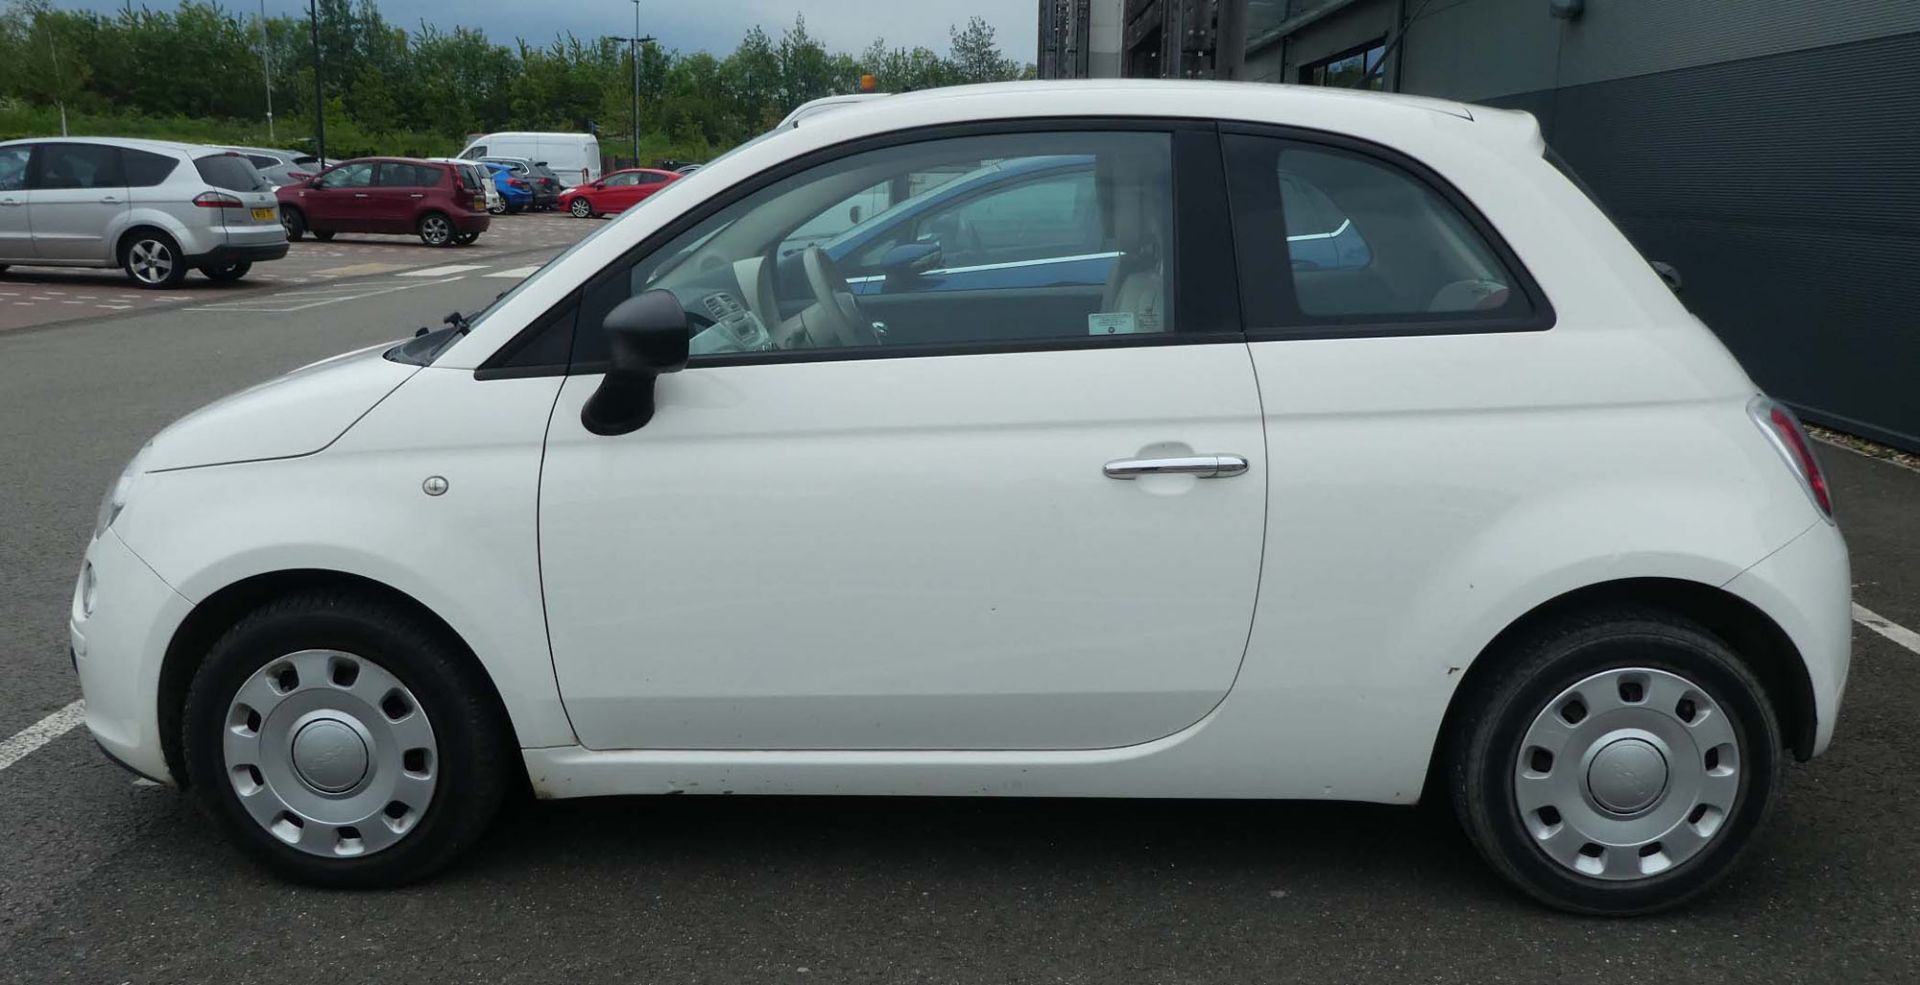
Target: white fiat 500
pixel 1092 440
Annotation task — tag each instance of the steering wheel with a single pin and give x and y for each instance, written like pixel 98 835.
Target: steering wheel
pixel 844 322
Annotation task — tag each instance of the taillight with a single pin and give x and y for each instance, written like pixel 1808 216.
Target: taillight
pixel 1790 440
pixel 516 183
pixel 217 200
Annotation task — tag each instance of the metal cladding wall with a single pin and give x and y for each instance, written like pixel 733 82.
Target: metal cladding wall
pixel 1786 189
pixel 1769 149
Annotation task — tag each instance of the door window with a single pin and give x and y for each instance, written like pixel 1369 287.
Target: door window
pixel 1360 240
pixel 397 174
pixel 749 283
pixel 1044 217
pixel 61 166
pixel 649 178
pixel 619 180
pixel 13 167
pixel 356 175
pixel 262 160
pixel 144 169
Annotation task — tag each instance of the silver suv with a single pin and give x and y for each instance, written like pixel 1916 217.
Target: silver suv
pixel 153 208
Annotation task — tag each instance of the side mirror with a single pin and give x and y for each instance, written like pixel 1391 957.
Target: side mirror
pixel 1667 273
pixel 646 336
pixel 908 261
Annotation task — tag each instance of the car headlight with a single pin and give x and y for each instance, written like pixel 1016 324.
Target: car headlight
pixel 116 498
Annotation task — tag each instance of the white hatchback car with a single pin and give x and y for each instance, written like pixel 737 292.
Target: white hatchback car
pixel 1465 506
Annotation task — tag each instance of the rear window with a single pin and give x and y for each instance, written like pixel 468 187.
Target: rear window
pixel 306 159
pixel 143 169
pixel 229 171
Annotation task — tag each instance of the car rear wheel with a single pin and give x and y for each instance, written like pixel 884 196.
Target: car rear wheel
pixel 323 235
pixel 295 223
pixel 465 239
pixel 152 259
pixel 436 229
pixel 227 271
pixel 1618 764
pixel 345 742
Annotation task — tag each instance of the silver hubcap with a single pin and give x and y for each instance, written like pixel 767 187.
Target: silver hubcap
pixel 330 753
pixel 150 260
pixel 581 208
pixel 1627 774
pixel 437 229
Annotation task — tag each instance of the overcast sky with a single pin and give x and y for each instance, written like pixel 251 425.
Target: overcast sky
pixel 714 25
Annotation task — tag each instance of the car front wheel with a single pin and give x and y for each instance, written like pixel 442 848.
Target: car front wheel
pixel 1617 764
pixel 581 208
pixel 344 742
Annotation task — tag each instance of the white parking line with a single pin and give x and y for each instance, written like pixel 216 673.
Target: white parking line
pixel 517 273
pixel 455 268
pixel 1886 627
pixel 47 729
pixel 314 298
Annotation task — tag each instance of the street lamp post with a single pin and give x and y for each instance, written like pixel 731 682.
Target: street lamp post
pixel 266 68
pixel 319 97
pixel 633 48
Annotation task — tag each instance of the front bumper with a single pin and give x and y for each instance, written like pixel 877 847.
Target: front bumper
pixel 1807 589
pixel 117 650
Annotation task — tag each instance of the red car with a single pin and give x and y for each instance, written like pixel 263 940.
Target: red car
pixel 443 203
pixel 615 192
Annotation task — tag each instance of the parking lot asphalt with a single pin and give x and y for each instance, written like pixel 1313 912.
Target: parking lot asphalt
pixel 32 296
pixel 104 879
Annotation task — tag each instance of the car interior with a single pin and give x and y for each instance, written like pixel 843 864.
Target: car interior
pixel 742 294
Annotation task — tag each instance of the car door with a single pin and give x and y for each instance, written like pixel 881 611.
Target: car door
pixel 16 228
pixel 619 192
pixel 342 199
pixel 822 541
pixel 400 187
pixel 76 200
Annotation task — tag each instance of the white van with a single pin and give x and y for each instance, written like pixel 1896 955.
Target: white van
pixel 574 157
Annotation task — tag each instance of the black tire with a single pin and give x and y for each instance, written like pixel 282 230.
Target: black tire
pixel 474 754
pixel 294 222
pixel 1484 748
pixel 436 229
pixel 152 260
pixel 227 272
pixel 465 239
pixel 323 235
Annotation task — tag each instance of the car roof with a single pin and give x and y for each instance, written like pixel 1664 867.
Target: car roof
pixel 136 143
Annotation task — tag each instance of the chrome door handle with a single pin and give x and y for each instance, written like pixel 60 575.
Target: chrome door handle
pixel 110 200
pixel 12 203
pixel 1199 466
pixel 418 195
pixel 359 194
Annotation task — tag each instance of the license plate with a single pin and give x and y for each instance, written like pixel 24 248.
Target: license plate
pixel 265 215
pixel 480 203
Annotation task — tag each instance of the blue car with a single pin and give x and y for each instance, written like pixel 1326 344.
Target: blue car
pixel 975 231
pixel 516 194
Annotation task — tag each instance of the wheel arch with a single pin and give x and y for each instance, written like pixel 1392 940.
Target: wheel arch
pixel 1755 636
pixel 218 612
pixel 124 240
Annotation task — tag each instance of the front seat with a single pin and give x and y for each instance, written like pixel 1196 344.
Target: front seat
pixel 1138 283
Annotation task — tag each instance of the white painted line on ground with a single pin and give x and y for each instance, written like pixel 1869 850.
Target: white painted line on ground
pixel 47 729
pixel 517 273
pixel 114 307
pixel 454 268
pixel 302 300
pixel 1886 627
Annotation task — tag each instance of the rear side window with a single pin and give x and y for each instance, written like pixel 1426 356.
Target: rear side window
pixel 395 174
pixel 63 166
pixel 262 160
pixel 145 169
pixel 477 150
pixel 229 171
pixel 1332 237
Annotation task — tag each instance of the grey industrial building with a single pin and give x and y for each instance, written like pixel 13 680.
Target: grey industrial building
pixel 1768 149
